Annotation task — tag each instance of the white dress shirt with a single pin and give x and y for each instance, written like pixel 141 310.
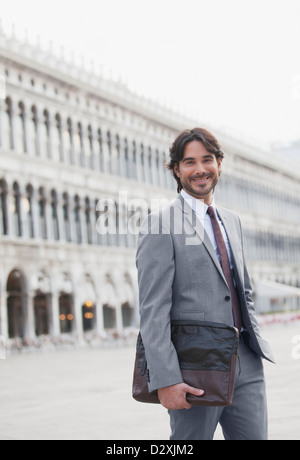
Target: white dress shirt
pixel 200 208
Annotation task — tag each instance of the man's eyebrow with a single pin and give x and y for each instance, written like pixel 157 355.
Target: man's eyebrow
pixel 193 159
pixel 188 159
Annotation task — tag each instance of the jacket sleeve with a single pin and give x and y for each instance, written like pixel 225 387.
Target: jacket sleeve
pixel 256 341
pixel 156 268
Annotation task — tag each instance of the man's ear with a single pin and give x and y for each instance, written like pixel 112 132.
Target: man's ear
pixel 219 160
pixel 176 169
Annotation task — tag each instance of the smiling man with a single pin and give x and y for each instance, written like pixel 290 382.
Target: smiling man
pixel 199 171
pixel 207 281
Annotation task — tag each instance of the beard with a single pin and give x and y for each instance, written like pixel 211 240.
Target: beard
pixel 198 190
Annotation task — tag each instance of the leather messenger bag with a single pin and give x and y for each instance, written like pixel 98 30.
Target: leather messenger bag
pixel 207 354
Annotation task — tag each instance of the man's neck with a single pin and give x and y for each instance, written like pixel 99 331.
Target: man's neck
pixel 208 201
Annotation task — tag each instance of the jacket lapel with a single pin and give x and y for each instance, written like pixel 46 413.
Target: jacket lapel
pixel 196 225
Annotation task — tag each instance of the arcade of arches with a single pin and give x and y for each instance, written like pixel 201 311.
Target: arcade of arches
pixel 39 309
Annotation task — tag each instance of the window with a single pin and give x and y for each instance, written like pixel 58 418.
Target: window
pixel 77 211
pixel 45 145
pixel 107 153
pixel 3 208
pixel 21 134
pixel 88 221
pixel 33 132
pixel 42 313
pixel 88 316
pixel 17 210
pixel 16 304
pixel 66 217
pixel 142 163
pixel 54 215
pixel 66 314
pixel 90 149
pixel 28 204
pixel 7 133
pixel 99 150
pixel 133 173
pixel 57 144
pixel 78 145
pixel 42 214
pixel 68 142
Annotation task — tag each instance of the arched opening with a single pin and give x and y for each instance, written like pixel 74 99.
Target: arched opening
pixel 42 304
pixel 54 215
pixel 45 135
pixel 42 314
pixel 3 208
pixel 66 216
pixel 66 303
pixel 16 304
pixel 77 220
pixel 88 222
pixel 127 315
pixel 109 317
pixel 21 132
pixel 66 313
pixel 68 142
pixel 42 213
pixel 28 204
pixel 8 135
pixel 17 210
pixel 88 316
pixel 57 151
pixel 33 131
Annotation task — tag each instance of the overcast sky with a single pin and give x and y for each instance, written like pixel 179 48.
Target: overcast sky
pixel 237 62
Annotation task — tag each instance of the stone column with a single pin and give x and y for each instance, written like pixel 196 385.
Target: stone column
pixel 55 314
pixel 30 328
pixel 3 315
pixel 78 316
pixel 100 322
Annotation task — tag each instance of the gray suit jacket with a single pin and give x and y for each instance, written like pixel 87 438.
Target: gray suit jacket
pixel 180 277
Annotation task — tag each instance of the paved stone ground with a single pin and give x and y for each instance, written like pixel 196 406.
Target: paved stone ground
pixel 85 394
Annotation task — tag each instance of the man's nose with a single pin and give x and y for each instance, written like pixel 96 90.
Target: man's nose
pixel 199 169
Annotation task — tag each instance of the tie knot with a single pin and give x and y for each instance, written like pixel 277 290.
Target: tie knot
pixel 211 212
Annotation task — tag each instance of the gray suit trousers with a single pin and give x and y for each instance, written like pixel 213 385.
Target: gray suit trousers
pixel 246 419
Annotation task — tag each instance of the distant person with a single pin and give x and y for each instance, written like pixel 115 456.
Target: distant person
pixel 182 280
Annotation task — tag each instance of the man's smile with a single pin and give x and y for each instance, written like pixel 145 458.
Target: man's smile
pixel 201 180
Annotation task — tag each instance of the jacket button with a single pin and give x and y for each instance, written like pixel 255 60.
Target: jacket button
pixel 227 298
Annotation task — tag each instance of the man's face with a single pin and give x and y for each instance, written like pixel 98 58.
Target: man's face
pixel 199 171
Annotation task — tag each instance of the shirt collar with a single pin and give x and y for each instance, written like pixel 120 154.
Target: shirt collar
pixel 197 205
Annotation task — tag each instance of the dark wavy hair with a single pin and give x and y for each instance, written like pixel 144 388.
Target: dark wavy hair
pixel 177 149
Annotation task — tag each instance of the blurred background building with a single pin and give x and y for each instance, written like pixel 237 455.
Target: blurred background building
pixel 70 137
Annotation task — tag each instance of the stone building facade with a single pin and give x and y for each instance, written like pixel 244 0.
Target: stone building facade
pixel 71 139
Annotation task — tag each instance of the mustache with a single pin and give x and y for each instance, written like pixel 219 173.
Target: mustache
pixel 202 176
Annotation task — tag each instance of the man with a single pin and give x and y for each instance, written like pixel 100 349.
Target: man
pixel 191 266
